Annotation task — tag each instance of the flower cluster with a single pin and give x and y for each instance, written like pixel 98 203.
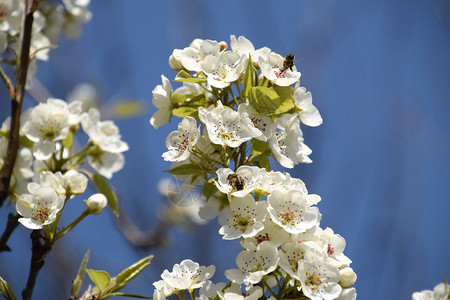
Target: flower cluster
pixel 240 107
pixel 50 164
pixel 440 292
pixel 50 19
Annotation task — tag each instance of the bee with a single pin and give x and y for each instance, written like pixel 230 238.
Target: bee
pixel 236 182
pixel 288 63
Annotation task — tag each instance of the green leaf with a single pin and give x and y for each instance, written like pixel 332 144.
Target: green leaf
pixel 128 109
pixel 130 295
pixel 209 189
pixel 260 154
pixel 179 98
pixel 264 100
pixel 67 142
pixel 188 169
pixel 100 278
pixel 249 80
pixel 6 290
pixel 286 94
pixel 185 111
pixel 103 187
pixel 184 76
pixel 131 272
pixel 78 281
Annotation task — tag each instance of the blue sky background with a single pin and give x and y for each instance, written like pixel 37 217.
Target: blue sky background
pixel 379 74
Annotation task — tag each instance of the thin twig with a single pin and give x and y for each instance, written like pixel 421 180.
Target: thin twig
pixel 143 239
pixel 16 103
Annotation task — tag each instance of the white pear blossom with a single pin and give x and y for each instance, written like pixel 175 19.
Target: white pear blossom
pixel 309 114
pixel 227 127
pixel 205 146
pixel 290 256
pixel 223 69
pixel 10 19
pixel 276 180
pixel 192 57
pixel 22 166
pixel 261 121
pixel 234 292
pixel 335 245
pixel 40 207
pixel 349 294
pixel 48 123
pixel 162 100
pixel 287 143
pixel 106 163
pixel 272 68
pixel 244 47
pixel 180 142
pixel 239 183
pixel 162 290
pixel 209 290
pixel 188 275
pixel 85 93
pixel 271 232
pixel 243 218
pixel 104 134
pixel 319 278
pixel 47 178
pixel 254 264
pixel 289 210
pixel 74 182
pixel 440 292
pixel 78 15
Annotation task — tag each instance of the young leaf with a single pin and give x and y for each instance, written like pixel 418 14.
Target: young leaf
pixel 188 169
pixel 100 278
pixel 78 281
pixel 67 142
pixel 264 100
pixel 6 290
pixel 249 80
pixel 184 76
pixel 185 111
pixel 209 189
pixel 260 154
pixel 131 272
pixel 129 295
pixel 178 98
pixel 103 187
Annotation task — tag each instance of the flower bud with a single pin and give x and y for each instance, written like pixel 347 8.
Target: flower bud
pixel 223 45
pixel 348 277
pixel 96 203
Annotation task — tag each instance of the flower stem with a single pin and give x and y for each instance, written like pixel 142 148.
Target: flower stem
pixel 71 226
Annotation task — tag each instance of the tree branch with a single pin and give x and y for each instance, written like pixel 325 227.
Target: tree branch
pixel 16 103
pixel 13 221
pixel 39 251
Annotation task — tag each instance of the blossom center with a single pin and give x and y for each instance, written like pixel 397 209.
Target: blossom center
pixel 262 238
pixel 330 250
pixel 313 280
pixel 242 222
pixel 279 72
pixel 287 216
pixel 183 143
pixel 42 212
